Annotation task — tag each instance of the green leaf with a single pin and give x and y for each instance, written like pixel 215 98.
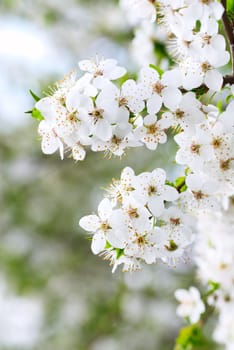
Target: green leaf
pixel 230 5
pixel 230 9
pixel 36 114
pixel 34 96
pixel 189 337
pixel 158 69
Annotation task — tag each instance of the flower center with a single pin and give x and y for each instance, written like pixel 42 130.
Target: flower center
pixel 195 148
pixel 179 114
pixel 206 38
pixel 199 195
pixel 175 221
pixel 97 114
pixel 105 226
pixel 158 87
pixel 172 246
pixel 72 117
pixel 115 140
pixel 205 66
pixel 224 164
pixel 132 212
pixel 216 142
pixel 98 73
pixel 123 101
pixel 152 190
pixel 140 240
pixel 152 129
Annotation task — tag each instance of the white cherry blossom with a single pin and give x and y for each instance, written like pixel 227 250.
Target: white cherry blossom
pixel 150 190
pixel 141 9
pixel 152 132
pixel 191 304
pixel 102 70
pixel 158 91
pixel 48 128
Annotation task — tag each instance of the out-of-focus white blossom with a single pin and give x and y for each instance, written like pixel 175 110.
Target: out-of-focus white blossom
pixel 191 306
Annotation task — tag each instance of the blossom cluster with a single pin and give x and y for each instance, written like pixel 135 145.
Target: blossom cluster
pixel 207 149
pixel 194 41
pixel 94 112
pixel 214 256
pixel 139 221
pixel 145 218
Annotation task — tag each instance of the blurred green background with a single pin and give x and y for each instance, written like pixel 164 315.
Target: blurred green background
pixel 54 294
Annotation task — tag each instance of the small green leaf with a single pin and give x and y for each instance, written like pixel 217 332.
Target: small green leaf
pixel 36 114
pixel 34 96
pixel 158 69
pixel 230 5
pixel 189 337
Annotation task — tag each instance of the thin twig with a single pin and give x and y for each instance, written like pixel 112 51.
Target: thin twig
pixel 228 26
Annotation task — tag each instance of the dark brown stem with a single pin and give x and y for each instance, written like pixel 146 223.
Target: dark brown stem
pixel 228 26
pixel 228 79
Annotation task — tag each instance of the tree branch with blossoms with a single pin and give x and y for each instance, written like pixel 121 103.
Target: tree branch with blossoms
pixel 144 218
pixel 229 29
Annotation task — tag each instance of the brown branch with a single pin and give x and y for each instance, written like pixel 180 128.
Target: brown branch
pixel 228 26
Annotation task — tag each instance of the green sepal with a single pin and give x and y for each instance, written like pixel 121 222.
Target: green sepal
pixel 219 105
pixel 108 245
pixel 229 98
pixel 34 96
pixel 213 287
pixel 36 114
pixel 197 26
pixel 180 184
pixel 179 181
pixel 187 171
pixel 170 183
pixel 200 91
pixel 119 252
